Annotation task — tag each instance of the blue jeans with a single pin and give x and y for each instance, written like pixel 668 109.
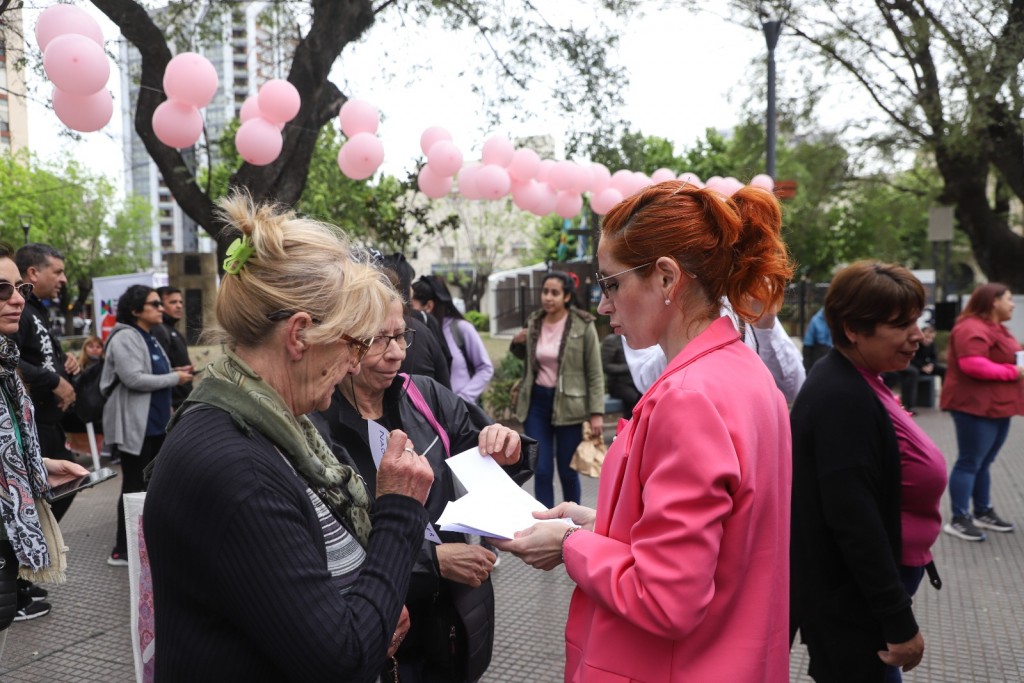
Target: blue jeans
pixel 978 440
pixel 554 444
pixel 911 577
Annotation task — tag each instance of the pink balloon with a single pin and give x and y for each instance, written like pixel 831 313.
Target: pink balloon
pixel 524 165
pixel 622 180
pixel 250 109
pixel 640 182
pixel 444 158
pixel 728 186
pixel 525 194
pixel 433 185
pixel 582 179
pixel 604 200
pixel 493 182
pixel 568 204
pixel 432 135
pixel 278 100
pixel 663 174
pixel 361 156
pixel 76 64
pixel 764 181
pixel 563 175
pixel 713 182
pixel 599 177
pixel 547 199
pixel 84 113
pixel 358 116
pixel 692 179
pixel 191 78
pixel 543 171
pixel 177 124
pixel 258 141
pixel 498 151
pixel 58 20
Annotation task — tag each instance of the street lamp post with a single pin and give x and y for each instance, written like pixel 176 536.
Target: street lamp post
pixel 772 28
pixel 26 224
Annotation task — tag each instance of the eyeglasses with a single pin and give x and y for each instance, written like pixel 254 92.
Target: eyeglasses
pixel 155 304
pixel 278 316
pixel 606 288
pixel 358 346
pixel 7 290
pixel 382 341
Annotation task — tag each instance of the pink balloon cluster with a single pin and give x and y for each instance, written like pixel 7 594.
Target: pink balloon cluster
pixel 190 82
pixel 259 140
pixel 74 61
pixel 362 154
pixel 542 186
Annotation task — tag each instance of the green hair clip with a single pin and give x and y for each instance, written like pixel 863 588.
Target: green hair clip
pixel 238 253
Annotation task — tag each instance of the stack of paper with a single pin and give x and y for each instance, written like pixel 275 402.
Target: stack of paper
pixel 494 505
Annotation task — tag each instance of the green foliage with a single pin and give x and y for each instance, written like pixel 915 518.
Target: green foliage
pixel 481 321
pixel 637 152
pixel 497 400
pixel 79 214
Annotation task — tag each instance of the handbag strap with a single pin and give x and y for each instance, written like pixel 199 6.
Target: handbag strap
pixel 420 404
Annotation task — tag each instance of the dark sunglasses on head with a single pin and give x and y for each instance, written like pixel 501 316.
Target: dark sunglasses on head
pixel 7 290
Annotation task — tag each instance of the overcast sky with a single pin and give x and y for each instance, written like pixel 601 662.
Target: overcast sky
pixel 656 49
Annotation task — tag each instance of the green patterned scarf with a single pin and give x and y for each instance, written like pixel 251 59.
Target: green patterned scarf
pixel 231 385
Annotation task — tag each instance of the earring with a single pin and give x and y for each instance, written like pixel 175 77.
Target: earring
pixel 667 302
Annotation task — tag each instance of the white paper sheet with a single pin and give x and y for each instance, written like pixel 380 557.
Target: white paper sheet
pixel 494 505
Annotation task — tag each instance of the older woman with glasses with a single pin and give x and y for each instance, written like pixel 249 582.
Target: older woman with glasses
pixel 138 377
pixel 450 598
pixel 270 559
pixel 681 572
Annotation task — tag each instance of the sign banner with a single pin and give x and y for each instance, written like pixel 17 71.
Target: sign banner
pixel 107 290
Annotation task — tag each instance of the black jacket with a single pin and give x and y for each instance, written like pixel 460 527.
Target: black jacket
pixel 42 360
pixel 846 543
pixel 349 437
pixel 176 348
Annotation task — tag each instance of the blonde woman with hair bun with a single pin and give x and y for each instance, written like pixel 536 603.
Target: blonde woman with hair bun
pixel 265 563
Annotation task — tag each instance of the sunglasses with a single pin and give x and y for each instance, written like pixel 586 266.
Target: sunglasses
pixel 7 290
pixel 154 304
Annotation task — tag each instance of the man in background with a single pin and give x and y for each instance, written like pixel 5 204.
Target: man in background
pixel 173 343
pixel 47 372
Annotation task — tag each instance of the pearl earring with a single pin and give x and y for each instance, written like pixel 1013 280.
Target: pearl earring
pixel 667 302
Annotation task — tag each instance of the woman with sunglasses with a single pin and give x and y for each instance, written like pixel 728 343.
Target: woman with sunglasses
pixel 30 542
pixel 270 560
pixel 450 598
pixel 563 384
pixel 138 377
pixel 682 571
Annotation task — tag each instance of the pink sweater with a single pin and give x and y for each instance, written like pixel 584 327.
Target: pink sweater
pixel 686 575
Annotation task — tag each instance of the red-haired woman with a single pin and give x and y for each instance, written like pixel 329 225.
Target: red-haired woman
pixel 682 572
pixel 982 390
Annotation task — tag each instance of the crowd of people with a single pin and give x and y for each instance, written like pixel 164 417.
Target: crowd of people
pixel 752 494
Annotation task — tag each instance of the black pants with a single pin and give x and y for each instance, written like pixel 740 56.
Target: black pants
pixel 52 444
pixel 8 584
pixel 132 481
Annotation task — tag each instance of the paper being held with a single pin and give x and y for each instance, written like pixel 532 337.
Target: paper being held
pixel 494 505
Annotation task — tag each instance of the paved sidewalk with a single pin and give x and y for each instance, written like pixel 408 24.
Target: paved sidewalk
pixel 973 627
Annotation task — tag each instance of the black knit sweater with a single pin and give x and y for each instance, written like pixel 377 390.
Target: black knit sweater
pixel 241 587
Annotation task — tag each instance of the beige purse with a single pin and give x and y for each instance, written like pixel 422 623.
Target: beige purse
pixel 589 455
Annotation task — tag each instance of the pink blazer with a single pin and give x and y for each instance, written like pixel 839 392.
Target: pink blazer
pixel 686 575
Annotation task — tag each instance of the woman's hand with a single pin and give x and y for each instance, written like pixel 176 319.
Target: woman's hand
pixel 184 374
pixel 539 546
pixel 905 655
pixel 62 471
pixel 580 515
pixel 501 443
pixel 520 337
pixel 597 425
pixel 465 563
pixel 399 635
pixel 403 472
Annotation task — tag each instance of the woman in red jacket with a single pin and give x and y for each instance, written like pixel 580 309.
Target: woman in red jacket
pixel 982 389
